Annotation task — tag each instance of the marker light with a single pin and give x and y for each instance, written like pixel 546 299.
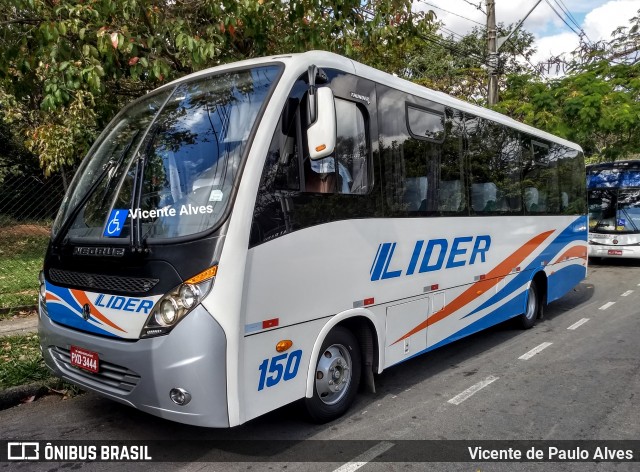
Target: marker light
pixel 284 345
pixel 322 147
pixel 202 276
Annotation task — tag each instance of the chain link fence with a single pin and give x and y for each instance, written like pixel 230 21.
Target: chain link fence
pixel 28 206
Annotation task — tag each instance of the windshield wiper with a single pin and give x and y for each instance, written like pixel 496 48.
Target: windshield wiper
pixel 111 164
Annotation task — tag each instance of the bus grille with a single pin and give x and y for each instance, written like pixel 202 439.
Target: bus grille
pixel 110 375
pixel 102 282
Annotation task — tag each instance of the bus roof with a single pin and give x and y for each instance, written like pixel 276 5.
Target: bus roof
pixel 325 59
pixel 629 164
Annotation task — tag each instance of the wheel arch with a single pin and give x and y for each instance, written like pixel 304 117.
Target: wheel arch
pixel 362 324
pixel 541 280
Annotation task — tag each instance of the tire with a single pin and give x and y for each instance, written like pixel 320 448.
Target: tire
pixel 533 308
pixel 339 361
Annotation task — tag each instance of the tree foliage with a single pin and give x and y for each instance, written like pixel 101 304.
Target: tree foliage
pixel 68 65
pixel 597 104
pixel 459 66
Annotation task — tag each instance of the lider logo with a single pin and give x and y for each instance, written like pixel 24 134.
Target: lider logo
pixel 124 303
pixel 430 256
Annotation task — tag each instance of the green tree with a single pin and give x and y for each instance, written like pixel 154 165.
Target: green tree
pixel 459 66
pixel 596 104
pixel 68 65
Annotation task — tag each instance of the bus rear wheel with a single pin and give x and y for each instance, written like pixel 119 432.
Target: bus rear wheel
pixel 533 307
pixel 337 376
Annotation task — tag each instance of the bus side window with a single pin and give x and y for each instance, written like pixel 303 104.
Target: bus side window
pixel 541 193
pixel 352 149
pixel 494 167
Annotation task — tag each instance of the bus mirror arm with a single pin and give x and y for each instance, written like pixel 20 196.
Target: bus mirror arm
pixel 314 74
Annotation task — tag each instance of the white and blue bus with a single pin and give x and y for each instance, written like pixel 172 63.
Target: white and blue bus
pixel 284 228
pixel 613 193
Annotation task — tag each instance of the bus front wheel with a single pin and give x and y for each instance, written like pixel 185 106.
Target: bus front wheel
pixel 336 377
pixel 533 307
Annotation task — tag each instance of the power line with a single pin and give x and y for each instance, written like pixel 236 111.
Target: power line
pixel 566 11
pixel 451 13
pixel 453 47
pixel 562 18
pixel 564 8
pixel 451 32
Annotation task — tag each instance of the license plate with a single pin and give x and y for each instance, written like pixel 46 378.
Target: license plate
pixel 87 360
pixel 615 252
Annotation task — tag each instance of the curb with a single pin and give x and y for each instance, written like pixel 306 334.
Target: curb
pixel 19 326
pixel 13 396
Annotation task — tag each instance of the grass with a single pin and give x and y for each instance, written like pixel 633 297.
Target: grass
pixel 22 249
pixel 21 362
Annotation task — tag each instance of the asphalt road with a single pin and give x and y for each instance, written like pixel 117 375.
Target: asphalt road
pixel 565 379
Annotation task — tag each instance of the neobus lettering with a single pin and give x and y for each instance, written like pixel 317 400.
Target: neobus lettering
pixel 124 303
pixel 457 253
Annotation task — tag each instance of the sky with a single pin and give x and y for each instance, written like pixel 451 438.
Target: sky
pixel 597 18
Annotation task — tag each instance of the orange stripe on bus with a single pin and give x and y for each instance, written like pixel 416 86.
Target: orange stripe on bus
pixel 82 298
pixel 576 251
pixel 491 279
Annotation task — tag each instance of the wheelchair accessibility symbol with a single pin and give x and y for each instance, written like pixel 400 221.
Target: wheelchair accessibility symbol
pixel 115 223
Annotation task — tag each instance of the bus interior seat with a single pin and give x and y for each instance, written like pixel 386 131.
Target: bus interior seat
pixel 415 192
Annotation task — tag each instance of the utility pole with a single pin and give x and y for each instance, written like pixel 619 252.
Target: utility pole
pixel 493 52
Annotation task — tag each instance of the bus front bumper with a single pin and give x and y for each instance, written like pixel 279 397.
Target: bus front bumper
pixel 606 250
pixel 141 373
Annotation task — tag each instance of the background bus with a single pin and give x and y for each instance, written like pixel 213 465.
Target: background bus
pixel 613 190
pixel 285 228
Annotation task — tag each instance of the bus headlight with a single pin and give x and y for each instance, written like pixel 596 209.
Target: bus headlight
pixel 189 295
pixel 176 304
pixel 168 312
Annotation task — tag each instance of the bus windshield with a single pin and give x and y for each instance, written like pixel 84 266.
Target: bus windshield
pixel 614 210
pixel 614 198
pixel 167 165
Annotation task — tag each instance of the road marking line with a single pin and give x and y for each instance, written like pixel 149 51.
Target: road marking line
pixel 365 457
pixel 578 323
pixel 472 390
pixel 534 351
pixel 627 293
pixel 607 305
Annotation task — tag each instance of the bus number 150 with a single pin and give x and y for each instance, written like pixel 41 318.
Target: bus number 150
pixel 278 369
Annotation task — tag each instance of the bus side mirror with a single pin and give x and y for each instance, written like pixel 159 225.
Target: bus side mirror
pixel 321 134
